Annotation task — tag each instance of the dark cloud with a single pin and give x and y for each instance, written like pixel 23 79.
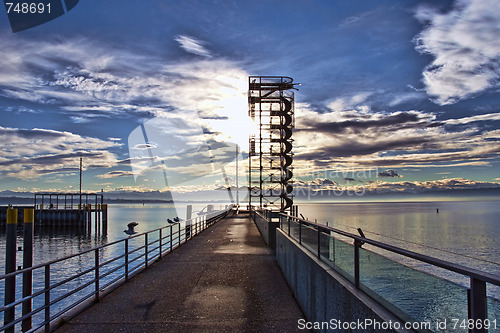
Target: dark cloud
pixel 36 134
pixel 389 173
pixel 399 120
pixel 51 159
pixel 395 139
pixel 353 148
pixel 117 173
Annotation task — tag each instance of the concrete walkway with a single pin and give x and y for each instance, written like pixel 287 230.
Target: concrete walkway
pixel 224 280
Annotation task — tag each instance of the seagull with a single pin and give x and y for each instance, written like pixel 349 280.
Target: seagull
pixel 131 226
pixel 170 221
pixel 177 219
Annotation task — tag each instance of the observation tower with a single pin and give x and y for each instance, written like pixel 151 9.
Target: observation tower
pixel 271 107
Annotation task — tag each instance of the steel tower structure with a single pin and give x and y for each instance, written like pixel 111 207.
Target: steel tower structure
pixel 271 107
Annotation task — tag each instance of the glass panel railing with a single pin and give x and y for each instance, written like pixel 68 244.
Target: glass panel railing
pixel 326 248
pixel 294 230
pixel 310 238
pixel 343 258
pixel 493 312
pixel 411 294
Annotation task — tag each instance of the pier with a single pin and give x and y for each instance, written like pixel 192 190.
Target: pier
pixel 224 280
pixel 64 210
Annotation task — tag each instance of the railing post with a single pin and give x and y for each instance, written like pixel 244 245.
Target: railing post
pixel 478 306
pixel 47 298
pixel 126 259
pixel 319 243
pixel 171 240
pixel 146 250
pixel 160 240
pixel 96 262
pixel 289 222
pixel 357 245
pixel 300 233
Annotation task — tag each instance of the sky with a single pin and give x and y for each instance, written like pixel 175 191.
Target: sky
pixel 395 96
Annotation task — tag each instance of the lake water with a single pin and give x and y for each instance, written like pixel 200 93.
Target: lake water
pixel 461 232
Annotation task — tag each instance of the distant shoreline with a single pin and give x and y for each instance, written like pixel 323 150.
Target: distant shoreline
pixel 24 201
pixel 316 197
pixel 29 201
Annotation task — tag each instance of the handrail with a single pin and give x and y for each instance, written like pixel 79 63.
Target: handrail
pixel 457 268
pixel 146 251
pixel 476 300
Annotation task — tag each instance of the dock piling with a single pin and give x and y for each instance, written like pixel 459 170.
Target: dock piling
pixel 10 266
pixel 29 218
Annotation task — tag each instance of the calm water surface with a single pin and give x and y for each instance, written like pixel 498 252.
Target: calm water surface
pixel 462 232
pixel 459 232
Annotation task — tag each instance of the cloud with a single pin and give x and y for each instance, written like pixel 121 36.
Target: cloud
pixel 116 174
pixel 349 102
pixel 315 189
pixel 392 121
pixel 32 153
pixel 389 173
pixel 356 138
pixel 406 97
pixel 431 185
pixel 466 49
pixel 332 135
pixel 194 46
pixel 88 79
pixel 351 20
pixel 466 120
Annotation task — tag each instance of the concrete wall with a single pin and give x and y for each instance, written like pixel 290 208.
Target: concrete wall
pixel 322 293
pixel 267 230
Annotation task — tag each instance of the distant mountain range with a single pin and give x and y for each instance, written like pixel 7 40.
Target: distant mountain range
pixel 26 198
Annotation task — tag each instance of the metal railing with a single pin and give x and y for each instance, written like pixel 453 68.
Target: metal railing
pixel 68 200
pixel 319 238
pixel 96 273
